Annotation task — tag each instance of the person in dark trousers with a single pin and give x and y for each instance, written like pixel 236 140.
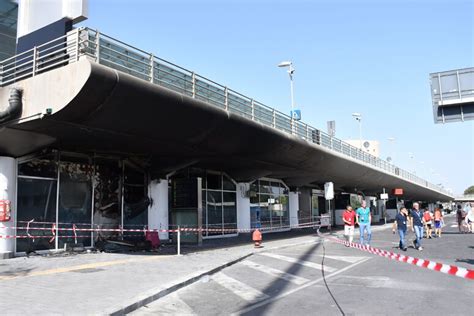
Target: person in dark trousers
pixel 417 225
pixel 401 225
pixel 460 216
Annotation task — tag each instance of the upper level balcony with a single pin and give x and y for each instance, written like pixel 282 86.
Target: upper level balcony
pixel 99 48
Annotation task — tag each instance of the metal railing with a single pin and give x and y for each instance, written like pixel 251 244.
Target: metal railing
pixel 110 52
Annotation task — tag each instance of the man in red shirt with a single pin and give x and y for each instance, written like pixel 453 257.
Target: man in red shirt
pixel 349 219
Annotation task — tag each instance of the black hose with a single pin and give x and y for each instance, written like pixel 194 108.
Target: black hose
pixel 324 279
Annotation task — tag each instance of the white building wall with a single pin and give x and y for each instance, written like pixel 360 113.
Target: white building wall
pixel 8 192
pixel 294 207
pixel 243 207
pixel 158 212
pixel 35 14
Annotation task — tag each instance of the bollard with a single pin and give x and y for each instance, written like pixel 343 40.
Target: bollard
pixel 257 238
pixel 179 241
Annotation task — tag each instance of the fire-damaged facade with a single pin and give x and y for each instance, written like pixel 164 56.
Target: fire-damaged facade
pixel 60 189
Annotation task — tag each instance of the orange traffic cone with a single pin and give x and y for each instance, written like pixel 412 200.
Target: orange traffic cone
pixel 257 238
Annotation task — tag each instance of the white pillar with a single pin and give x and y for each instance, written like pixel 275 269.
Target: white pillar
pixel 243 206
pixel 158 212
pixel 294 207
pixel 8 192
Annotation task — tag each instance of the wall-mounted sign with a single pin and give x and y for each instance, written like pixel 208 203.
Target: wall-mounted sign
pixel 397 191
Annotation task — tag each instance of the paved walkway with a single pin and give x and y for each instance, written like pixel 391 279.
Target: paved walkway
pixel 104 283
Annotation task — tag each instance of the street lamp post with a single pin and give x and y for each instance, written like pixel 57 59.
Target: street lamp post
pixel 291 70
pixel 358 118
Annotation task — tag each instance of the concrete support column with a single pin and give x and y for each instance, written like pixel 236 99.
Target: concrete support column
pixel 243 206
pixel 158 212
pixel 294 207
pixel 8 192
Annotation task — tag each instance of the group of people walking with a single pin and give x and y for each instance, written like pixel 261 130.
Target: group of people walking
pixel 419 221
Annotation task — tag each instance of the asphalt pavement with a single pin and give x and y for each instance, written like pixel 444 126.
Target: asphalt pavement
pixel 289 280
pixel 286 272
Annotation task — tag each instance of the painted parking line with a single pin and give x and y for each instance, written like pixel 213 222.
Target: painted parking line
pixel 297 261
pixel 238 288
pixel 275 272
pixel 79 267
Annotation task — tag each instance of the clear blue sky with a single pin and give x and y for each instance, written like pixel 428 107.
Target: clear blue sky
pixel 372 57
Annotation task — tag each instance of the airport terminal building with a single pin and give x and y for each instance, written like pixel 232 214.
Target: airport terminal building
pixel 101 140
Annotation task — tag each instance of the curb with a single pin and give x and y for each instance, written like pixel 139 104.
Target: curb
pixel 142 302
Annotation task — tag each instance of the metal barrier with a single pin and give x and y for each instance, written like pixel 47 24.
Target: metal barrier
pixel 110 52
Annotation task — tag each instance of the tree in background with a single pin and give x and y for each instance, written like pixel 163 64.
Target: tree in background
pixel 469 191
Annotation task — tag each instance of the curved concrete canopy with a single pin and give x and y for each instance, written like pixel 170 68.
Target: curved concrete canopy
pixel 98 109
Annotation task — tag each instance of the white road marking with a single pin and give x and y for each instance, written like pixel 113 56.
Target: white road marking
pixel 297 261
pixel 275 272
pixel 275 298
pixel 349 259
pixel 455 225
pixel 238 288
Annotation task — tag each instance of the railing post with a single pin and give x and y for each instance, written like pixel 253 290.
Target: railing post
pixel 273 118
pixel 226 98
pixel 35 53
pixel 252 104
pixel 193 79
pixel 152 68
pixel 97 46
pixel 179 241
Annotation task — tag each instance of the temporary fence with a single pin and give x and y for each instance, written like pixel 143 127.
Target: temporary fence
pixel 75 231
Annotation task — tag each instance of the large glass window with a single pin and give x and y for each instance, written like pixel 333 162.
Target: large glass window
pixel 75 200
pixel 85 193
pixel 219 216
pixel 135 200
pixel 269 204
pixel 36 203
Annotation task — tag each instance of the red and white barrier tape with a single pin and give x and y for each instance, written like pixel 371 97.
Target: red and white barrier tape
pixel 144 230
pixel 435 266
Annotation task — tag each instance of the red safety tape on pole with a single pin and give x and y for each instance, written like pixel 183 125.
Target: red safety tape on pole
pixel 431 265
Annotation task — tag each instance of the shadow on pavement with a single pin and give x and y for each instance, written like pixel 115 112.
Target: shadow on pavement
pixel 468 261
